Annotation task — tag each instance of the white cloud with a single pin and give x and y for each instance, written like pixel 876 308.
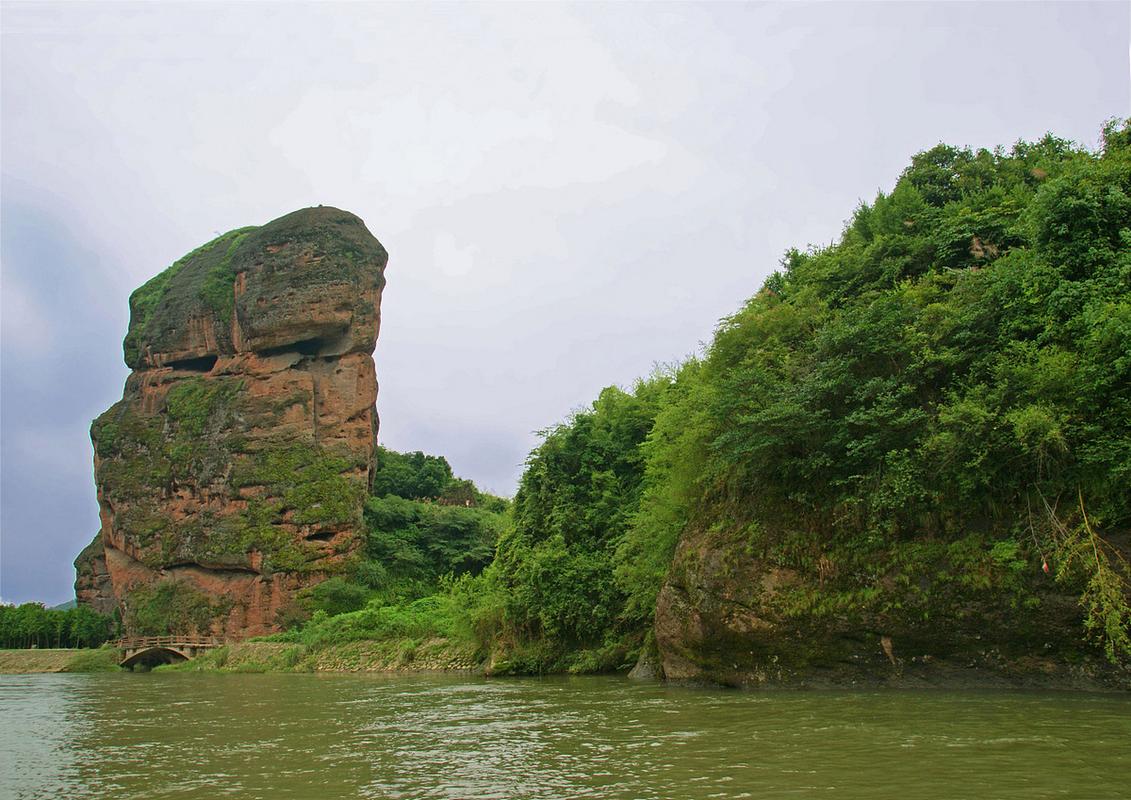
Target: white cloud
pixel 452 260
pixel 25 325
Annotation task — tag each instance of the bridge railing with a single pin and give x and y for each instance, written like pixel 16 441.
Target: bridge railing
pixel 138 642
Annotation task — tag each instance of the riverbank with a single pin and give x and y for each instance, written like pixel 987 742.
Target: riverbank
pixel 408 655
pixel 439 655
pixel 38 660
pixel 405 656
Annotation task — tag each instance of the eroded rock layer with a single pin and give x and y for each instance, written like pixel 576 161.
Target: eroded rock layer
pixel 92 579
pixel 728 615
pixel 233 471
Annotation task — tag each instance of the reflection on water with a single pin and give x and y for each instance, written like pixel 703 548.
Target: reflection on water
pixel 329 736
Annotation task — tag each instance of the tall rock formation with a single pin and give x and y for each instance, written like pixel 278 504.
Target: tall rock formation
pixel 233 471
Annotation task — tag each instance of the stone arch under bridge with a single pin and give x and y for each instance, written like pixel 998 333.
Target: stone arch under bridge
pixel 151 651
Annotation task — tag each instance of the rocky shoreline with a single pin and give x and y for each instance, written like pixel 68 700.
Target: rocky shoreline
pixel 444 656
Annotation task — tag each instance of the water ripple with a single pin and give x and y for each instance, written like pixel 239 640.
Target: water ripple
pixel 444 737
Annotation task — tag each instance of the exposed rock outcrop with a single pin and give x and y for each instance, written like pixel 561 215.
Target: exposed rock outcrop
pixel 233 471
pixel 92 579
pixel 726 615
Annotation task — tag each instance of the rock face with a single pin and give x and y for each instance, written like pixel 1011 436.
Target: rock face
pixel 92 579
pixel 727 616
pixel 233 471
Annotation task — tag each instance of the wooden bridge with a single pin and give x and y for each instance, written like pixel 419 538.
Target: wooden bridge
pixel 153 650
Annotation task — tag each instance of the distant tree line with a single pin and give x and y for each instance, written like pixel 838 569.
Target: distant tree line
pixel 32 625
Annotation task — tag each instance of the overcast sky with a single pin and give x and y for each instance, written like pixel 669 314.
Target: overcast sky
pixel 568 194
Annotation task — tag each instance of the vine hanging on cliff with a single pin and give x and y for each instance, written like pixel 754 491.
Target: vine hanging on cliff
pixel 1082 554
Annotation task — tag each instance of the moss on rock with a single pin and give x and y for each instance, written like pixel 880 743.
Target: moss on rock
pixel 239 455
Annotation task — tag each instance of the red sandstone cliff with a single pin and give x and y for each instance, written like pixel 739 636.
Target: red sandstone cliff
pixel 232 473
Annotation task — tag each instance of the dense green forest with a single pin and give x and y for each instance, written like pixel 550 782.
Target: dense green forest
pixel 32 625
pixel 933 409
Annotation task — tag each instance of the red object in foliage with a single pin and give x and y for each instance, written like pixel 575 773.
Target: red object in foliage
pixel 1045 567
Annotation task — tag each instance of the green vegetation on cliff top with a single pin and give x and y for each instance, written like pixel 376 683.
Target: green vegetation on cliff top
pixel 202 282
pixel 204 276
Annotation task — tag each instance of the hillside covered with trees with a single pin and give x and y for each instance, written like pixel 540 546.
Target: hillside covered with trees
pixel 919 433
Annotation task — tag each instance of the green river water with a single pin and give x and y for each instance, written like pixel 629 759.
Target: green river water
pixel 184 735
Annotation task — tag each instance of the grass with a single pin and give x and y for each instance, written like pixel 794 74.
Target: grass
pixel 398 654
pixel 30 661
pixel 104 659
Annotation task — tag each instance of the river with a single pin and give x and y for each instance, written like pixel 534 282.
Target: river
pixel 185 735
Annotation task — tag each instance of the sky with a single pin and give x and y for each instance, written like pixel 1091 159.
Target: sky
pixel 570 195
